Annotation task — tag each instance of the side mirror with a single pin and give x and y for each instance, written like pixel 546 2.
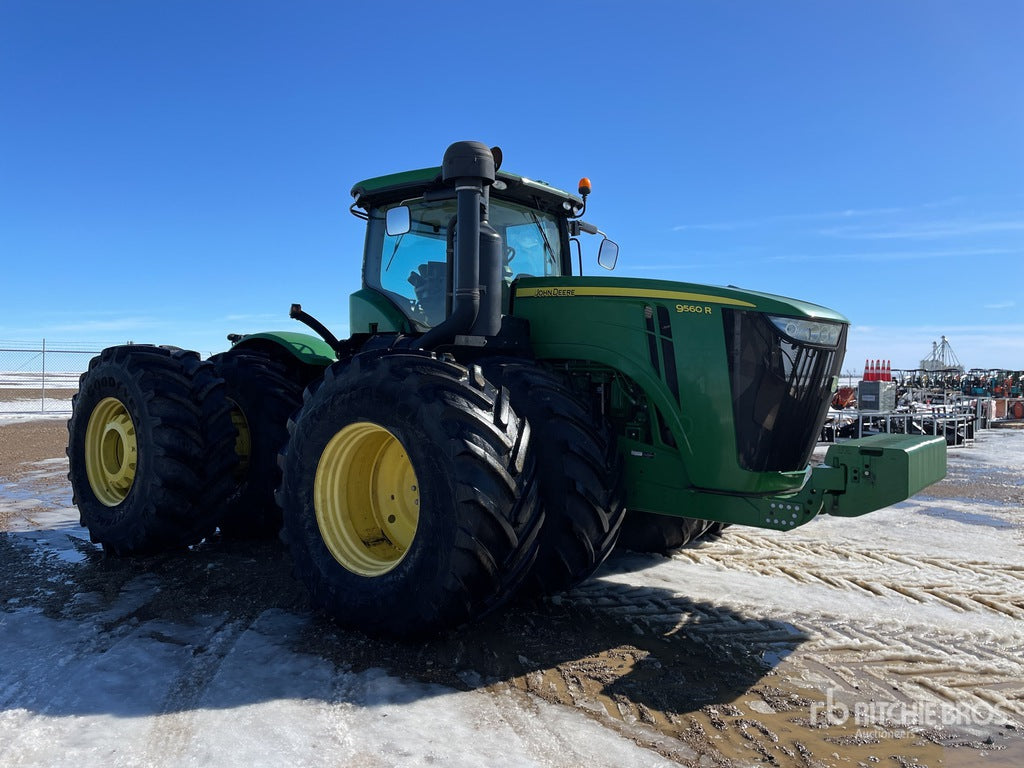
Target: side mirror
pixel 398 220
pixel 608 254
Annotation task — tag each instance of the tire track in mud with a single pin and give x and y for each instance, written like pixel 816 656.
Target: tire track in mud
pixel 649 610
pixel 171 733
pixel 57 686
pixel 974 671
pixel 962 586
pixel 955 663
pixel 646 695
pixel 938 674
pixel 547 743
pixel 904 652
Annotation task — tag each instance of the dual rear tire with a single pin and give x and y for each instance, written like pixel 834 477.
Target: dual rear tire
pixel 409 494
pixel 263 391
pixel 150 449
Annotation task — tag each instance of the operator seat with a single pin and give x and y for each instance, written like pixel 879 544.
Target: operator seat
pixel 430 282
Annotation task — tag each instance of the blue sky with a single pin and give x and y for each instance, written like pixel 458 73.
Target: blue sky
pixel 173 171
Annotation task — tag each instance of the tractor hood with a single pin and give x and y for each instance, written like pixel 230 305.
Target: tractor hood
pixel 737 381
pixel 685 294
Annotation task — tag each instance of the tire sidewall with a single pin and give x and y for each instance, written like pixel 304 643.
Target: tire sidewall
pixel 580 474
pixel 105 380
pixel 260 387
pixel 426 562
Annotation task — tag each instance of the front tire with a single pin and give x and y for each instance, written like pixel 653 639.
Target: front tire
pixel 146 449
pixel 579 471
pixel 659 534
pixel 408 494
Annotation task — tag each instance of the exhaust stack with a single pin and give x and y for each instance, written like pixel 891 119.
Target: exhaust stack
pixel 476 308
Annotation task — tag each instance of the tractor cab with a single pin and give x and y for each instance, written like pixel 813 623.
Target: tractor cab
pixel 412 267
pixel 409 257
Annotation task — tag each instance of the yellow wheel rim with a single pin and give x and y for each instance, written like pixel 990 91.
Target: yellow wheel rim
pixel 367 499
pixel 111 452
pixel 243 441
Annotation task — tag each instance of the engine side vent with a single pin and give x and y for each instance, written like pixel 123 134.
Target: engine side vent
pixel 652 339
pixel 661 347
pixel 668 352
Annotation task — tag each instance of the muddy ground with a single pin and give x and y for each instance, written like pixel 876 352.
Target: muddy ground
pixel 859 652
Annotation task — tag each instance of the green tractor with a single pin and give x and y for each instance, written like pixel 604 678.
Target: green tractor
pixel 495 422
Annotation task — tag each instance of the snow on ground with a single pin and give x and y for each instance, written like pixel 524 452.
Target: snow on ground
pixel 37 380
pixel 34 409
pixel 118 663
pixel 147 696
pixel 32 396
pixel 99 682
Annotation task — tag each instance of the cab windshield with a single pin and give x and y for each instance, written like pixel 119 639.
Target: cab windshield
pixel 413 267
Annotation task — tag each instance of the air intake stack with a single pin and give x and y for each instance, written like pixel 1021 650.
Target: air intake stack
pixel 476 307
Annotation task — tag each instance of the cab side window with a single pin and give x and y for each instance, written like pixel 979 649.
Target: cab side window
pixel 530 250
pixel 413 268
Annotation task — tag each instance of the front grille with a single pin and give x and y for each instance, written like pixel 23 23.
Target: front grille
pixel 780 391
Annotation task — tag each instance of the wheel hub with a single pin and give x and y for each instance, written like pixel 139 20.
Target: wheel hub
pixel 111 452
pixel 243 440
pixel 367 499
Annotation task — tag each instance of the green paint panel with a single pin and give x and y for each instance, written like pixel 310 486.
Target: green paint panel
pixel 858 477
pixel 311 350
pixel 644 329
pixel 884 469
pixel 371 312
pixel 694 294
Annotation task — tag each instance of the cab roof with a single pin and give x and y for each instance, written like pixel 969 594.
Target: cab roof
pixel 394 187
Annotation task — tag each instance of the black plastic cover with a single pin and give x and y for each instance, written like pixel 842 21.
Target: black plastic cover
pixel 468 160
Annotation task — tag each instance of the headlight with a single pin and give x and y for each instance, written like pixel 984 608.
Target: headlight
pixel 808 331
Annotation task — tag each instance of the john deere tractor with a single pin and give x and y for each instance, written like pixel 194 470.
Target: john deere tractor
pixel 495 421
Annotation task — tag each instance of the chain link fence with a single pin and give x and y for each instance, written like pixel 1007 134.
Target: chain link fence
pixel 40 377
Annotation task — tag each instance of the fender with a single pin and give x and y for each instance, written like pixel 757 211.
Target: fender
pixel 305 348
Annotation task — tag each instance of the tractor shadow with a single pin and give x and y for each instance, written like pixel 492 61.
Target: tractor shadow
pixel 210 613
pixel 606 644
